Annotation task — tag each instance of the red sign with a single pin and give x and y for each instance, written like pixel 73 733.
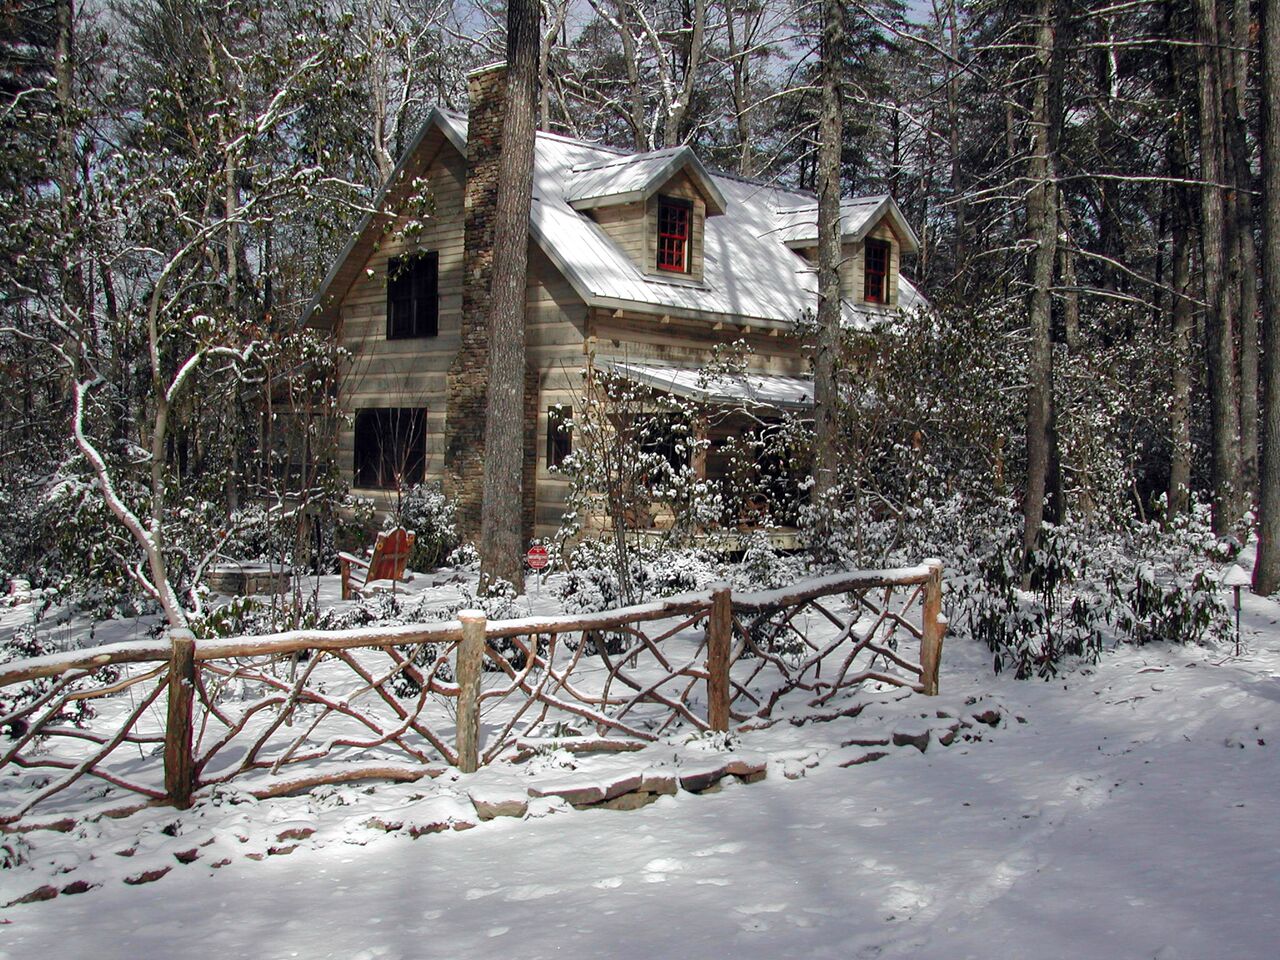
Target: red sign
pixel 537 557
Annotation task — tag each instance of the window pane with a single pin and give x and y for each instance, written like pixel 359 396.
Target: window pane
pixel 413 296
pixel 390 447
pixel 559 438
pixel 876 263
pixel 673 235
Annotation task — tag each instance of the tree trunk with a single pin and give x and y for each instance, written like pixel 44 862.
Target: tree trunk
pixel 75 306
pixel 1042 227
pixel 1266 572
pixel 830 134
pixel 740 62
pixel 695 26
pixel 1070 281
pixel 1182 304
pixel 1182 311
pixel 501 553
pixel 1224 390
pixel 559 10
pixel 1245 255
pixel 953 122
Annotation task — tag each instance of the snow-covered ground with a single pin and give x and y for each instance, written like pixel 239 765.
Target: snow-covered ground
pixel 1129 810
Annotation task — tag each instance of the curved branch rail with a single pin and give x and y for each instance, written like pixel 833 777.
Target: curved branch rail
pixel 290 711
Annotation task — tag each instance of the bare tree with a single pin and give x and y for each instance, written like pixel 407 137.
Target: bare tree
pixel 1242 251
pixel 830 138
pixel 1224 385
pixel 501 556
pixel 1042 229
pixel 1266 573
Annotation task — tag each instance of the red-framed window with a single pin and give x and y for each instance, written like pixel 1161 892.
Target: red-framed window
pixel 674 218
pixel 876 273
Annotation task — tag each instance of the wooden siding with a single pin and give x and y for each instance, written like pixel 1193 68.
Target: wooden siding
pixel 412 372
pixel 625 225
pixel 408 372
pixel 853 264
pixel 634 228
pixel 428 153
pixel 689 343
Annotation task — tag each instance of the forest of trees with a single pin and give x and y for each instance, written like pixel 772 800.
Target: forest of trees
pixel 1087 180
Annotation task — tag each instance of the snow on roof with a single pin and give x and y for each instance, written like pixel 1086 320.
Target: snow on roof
pixel 627 179
pixel 798 226
pixel 755 389
pixel 749 272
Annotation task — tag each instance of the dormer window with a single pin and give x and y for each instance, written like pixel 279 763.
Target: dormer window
pixel 876 271
pixel 674 218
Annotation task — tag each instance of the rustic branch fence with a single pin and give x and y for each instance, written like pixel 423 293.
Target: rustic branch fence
pixel 283 713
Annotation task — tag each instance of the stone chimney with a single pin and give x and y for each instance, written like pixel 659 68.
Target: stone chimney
pixel 468 377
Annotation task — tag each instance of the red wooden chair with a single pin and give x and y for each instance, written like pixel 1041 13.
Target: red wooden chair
pixel 386 562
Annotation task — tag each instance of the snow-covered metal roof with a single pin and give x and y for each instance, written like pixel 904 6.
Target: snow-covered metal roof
pixel 798 226
pixel 627 179
pixel 753 389
pixel 750 271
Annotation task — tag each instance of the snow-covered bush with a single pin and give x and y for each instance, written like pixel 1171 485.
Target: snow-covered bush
pixel 1034 631
pixel 349 529
pixel 590 583
pixel 764 567
pixel 586 589
pixel 76 548
pixel 680 571
pixel 676 468
pixel 1087 587
pixel 426 511
pixel 19 550
pixel 499 602
pixel 265 534
pixel 464 557
pixel 256 616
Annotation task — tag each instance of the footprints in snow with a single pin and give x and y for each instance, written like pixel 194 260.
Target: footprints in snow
pixel 516 894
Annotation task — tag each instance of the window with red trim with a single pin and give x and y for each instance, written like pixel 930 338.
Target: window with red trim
pixel 876 272
pixel 674 217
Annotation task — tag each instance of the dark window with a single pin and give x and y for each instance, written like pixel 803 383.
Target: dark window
pixel 391 447
pixel 412 301
pixel 559 437
pixel 674 217
pixel 877 271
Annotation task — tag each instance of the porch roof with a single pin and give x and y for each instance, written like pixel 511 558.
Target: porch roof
pixel 753 389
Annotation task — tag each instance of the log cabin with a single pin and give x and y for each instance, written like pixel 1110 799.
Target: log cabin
pixel 639 264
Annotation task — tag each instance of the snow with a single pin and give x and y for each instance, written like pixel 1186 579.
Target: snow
pixel 1128 810
pixel 766 390
pixel 1236 577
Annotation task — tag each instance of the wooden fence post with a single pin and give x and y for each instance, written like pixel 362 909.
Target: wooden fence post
pixel 719 645
pixel 470 660
pixel 179 764
pixel 933 627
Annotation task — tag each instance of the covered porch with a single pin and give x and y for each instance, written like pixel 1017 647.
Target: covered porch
pixel 746 430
